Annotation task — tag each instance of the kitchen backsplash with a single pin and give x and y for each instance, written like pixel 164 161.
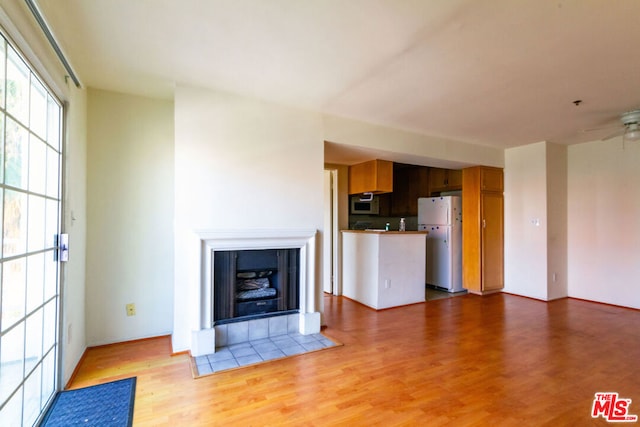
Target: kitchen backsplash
pixel 362 222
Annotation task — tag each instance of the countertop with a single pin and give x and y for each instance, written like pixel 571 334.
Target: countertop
pixel 384 232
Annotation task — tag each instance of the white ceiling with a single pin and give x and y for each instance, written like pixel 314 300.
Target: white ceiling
pixel 501 72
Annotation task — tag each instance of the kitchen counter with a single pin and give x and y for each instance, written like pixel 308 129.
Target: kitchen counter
pixel 384 231
pixel 383 269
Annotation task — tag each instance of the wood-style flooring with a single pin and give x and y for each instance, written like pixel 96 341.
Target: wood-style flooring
pixel 471 360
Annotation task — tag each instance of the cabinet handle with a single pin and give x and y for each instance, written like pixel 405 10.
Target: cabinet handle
pixel 484 223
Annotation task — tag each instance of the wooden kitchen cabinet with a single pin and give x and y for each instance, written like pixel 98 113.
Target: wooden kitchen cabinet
pixel 491 179
pixel 454 179
pixel 374 176
pixel 444 180
pixel 409 183
pixel 482 230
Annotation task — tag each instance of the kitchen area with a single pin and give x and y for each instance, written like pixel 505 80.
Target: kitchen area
pixel 396 197
pixel 406 232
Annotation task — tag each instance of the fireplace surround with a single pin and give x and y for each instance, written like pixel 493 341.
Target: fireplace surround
pixel 307 318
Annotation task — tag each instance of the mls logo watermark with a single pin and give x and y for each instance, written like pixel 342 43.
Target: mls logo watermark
pixel 612 408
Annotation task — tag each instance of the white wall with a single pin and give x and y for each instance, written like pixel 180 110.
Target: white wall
pixel 535 180
pixel 525 212
pixel 604 222
pixel 587 198
pixel 239 164
pixel 130 217
pixel 557 217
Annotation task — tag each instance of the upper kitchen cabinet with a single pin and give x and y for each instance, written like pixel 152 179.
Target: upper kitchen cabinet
pixel 491 179
pixel 374 176
pixel 409 183
pixel 444 180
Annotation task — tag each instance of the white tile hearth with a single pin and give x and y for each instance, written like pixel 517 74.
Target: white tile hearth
pixel 249 330
pixel 259 350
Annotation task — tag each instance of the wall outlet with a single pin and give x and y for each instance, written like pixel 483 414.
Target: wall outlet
pixel 131 309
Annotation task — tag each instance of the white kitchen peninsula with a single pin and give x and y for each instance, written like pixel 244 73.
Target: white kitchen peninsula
pixel 383 269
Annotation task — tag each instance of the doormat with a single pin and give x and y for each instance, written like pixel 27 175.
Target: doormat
pixel 109 404
pixel 259 351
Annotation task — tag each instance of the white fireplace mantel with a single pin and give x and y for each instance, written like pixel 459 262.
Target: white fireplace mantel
pixel 224 240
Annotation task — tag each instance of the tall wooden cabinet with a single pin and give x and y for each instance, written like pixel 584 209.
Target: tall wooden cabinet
pixel 482 229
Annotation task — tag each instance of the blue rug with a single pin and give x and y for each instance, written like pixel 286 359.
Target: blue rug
pixel 109 404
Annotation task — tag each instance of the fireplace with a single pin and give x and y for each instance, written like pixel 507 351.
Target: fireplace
pixel 250 284
pixel 301 313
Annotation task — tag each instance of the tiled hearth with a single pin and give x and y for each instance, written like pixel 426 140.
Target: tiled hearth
pixel 249 330
pixel 258 340
pixel 260 350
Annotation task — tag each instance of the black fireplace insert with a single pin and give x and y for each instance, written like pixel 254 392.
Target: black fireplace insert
pixel 255 283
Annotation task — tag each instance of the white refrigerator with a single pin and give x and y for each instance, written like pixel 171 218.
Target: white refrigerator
pixel 442 218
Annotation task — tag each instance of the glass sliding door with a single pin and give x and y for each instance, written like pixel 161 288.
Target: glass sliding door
pixel 30 170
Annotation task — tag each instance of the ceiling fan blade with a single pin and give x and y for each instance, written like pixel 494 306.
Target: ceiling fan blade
pixel 613 135
pixel 600 128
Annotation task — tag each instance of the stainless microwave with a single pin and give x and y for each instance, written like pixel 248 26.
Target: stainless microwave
pixel 364 207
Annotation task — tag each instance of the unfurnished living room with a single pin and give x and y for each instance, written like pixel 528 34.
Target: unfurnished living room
pixel 368 212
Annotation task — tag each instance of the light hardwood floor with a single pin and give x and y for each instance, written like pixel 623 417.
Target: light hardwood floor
pixel 470 360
